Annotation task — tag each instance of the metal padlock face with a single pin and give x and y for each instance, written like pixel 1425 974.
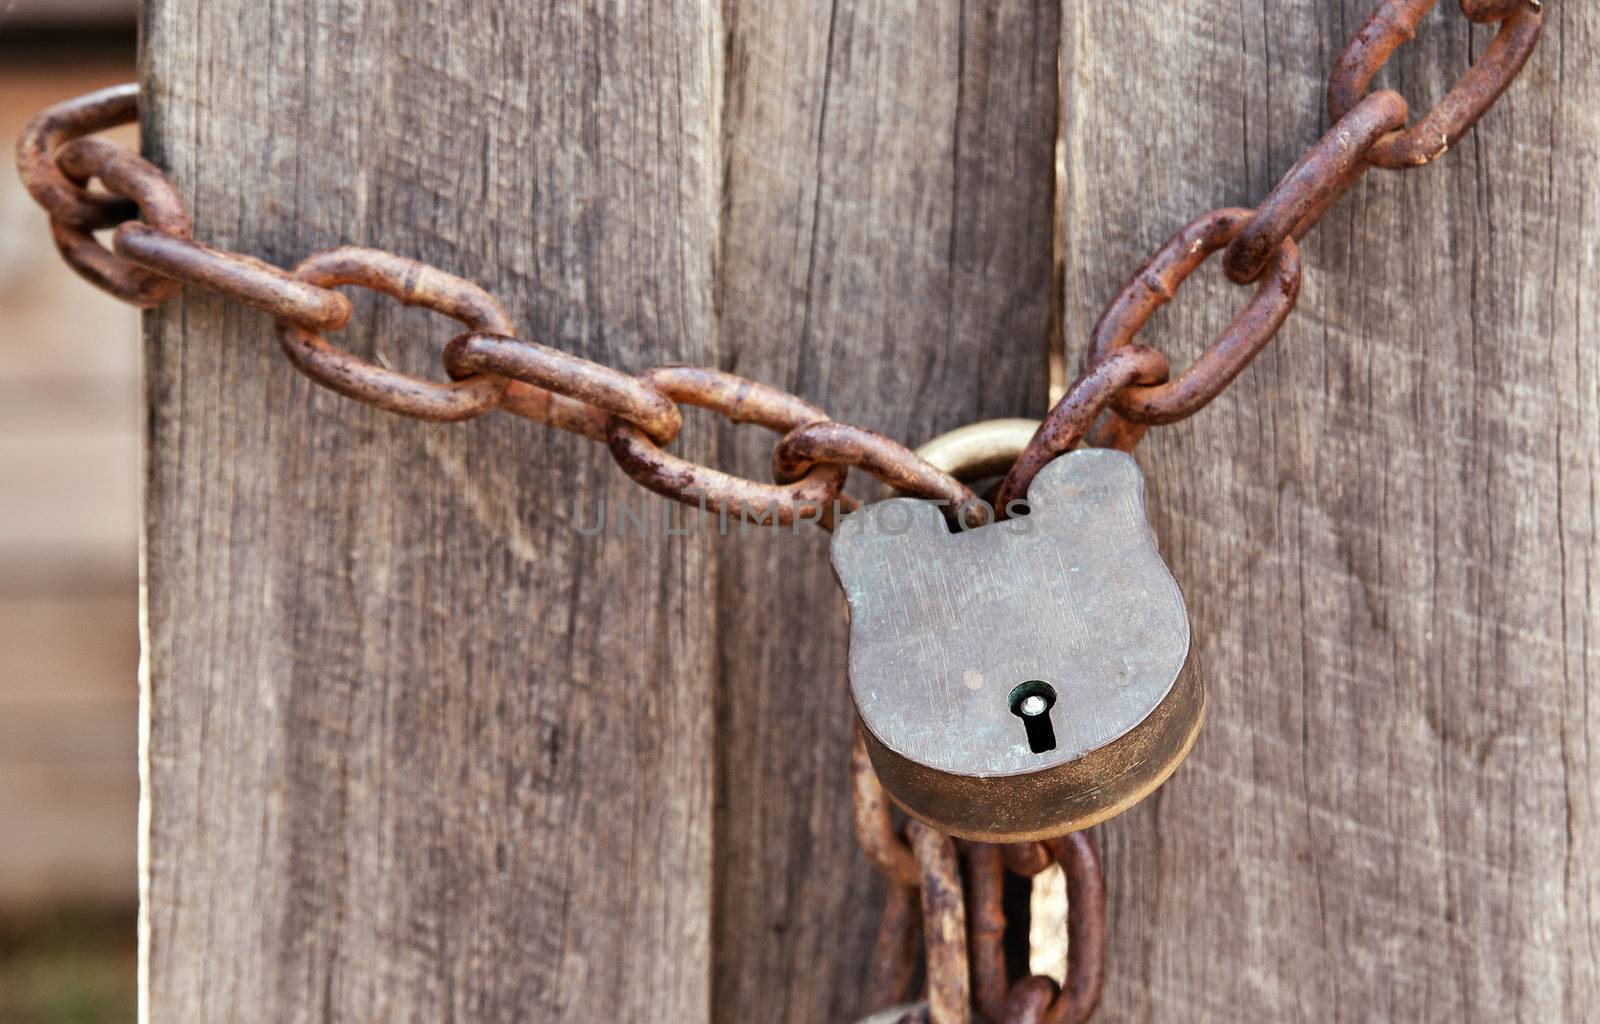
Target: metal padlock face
pixel 1024 679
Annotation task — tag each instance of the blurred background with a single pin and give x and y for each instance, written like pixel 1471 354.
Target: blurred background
pixel 69 520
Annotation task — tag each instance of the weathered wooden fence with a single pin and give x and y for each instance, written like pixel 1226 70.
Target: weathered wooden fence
pixel 420 750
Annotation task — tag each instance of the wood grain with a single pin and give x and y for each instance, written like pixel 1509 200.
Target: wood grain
pixel 1385 532
pixel 885 253
pixel 417 749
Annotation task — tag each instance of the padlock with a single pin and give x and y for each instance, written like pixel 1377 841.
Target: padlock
pixel 1024 679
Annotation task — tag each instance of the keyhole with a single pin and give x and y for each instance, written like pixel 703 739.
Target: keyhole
pixel 1031 701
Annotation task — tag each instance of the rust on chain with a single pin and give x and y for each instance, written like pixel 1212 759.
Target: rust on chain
pixel 894 951
pixel 1313 185
pixel 979 960
pixel 131 177
pixel 413 284
pixel 1069 421
pixel 1086 929
pixel 1026 859
pixel 66 201
pixel 944 925
pixel 1028 1001
pixel 1125 390
pixel 1394 23
pixel 1157 282
pixel 1115 432
pixel 552 410
pixel 986 927
pixel 1487 11
pixel 232 275
pixel 874 820
pixel 810 498
pixel 843 444
pixel 562 389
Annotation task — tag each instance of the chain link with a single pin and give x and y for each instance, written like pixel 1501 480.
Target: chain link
pixel 1157 283
pixel 807 499
pixel 1395 22
pixel 1074 415
pixel 150 259
pixel 1125 390
pixel 129 177
pixel 1367 132
pixel 964 926
pixel 413 284
pixel 246 279
pixel 68 202
pixel 591 392
pixel 1313 185
pixel 841 444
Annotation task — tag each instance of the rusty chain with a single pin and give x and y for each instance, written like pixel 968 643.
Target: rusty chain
pixel 1127 388
pixel 958 886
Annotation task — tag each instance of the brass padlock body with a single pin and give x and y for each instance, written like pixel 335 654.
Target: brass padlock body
pixel 952 632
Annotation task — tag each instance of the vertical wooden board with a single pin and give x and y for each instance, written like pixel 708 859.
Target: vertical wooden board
pixel 416 749
pixel 1386 531
pixel 885 252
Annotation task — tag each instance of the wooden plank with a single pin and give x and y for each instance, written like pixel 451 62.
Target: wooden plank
pixel 1386 532
pixel 410 753
pixel 885 253
pixel 416 749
